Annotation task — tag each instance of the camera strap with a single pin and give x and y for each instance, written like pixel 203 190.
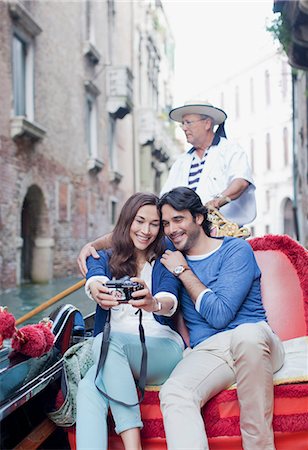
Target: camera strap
pixel 144 359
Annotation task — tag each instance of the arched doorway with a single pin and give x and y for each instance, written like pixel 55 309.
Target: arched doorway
pixel 36 253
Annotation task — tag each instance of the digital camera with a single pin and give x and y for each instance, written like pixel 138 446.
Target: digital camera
pixel 122 290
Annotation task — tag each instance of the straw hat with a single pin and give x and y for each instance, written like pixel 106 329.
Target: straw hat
pixel 198 107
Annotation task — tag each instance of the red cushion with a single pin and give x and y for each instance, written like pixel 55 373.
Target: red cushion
pixel 221 418
pixel 284 283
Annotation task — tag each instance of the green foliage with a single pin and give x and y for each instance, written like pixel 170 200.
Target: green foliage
pixel 281 32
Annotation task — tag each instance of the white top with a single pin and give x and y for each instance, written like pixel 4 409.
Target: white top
pixel 125 320
pixel 224 162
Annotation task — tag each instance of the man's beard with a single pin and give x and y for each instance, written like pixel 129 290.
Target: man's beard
pixel 190 241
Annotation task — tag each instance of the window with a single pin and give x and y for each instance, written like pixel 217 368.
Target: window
pixel 23 76
pixel 152 73
pixel 90 49
pixel 237 102
pixel 284 78
pixel 222 100
pixel 268 152
pixel 267 229
pixel 111 28
pixel 25 31
pixel 92 92
pixel 267 88
pixel 267 200
pixel 252 98
pixel 252 155
pixel 91 126
pixel 90 31
pixel 288 218
pixel 113 212
pixel 111 143
pixel 285 146
pixel 157 181
pixel 19 76
pixel 140 65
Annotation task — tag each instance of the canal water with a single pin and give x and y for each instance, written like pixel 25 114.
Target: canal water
pixel 28 296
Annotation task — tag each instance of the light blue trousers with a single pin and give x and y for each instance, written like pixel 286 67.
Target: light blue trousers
pixel 117 379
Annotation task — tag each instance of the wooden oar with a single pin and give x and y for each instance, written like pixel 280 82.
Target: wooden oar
pixel 51 301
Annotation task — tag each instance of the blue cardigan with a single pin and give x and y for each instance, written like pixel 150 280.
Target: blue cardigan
pixel 162 280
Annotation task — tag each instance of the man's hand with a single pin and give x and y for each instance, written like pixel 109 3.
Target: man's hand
pixel 218 202
pixel 172 259
pixel 213 204
pixel 87 250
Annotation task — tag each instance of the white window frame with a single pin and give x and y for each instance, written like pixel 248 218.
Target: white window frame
pixel 90 48
pixel 24 29
pixel 28 70
pixel 95 163
pixel 90 28
pixel 92 128
pixel 112 142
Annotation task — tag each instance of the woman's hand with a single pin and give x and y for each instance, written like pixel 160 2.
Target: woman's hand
pixel 100 294
pixel 147 302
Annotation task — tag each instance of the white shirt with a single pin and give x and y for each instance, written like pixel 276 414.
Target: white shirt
pixel 125 320
pixel 225 162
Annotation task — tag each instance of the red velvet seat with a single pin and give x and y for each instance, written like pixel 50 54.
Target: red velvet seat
pixel 283 263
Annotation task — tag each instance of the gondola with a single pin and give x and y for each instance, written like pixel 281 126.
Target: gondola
pixel 29 386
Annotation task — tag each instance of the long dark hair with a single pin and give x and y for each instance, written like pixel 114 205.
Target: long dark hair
pixel 123 259
pixel 182 198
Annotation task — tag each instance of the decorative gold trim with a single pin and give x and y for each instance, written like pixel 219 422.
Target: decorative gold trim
pixel 223 227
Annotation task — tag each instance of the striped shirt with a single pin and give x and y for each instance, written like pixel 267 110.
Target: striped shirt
pixel 195 171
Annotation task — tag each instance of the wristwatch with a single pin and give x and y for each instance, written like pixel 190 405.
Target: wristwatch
pixel 179 269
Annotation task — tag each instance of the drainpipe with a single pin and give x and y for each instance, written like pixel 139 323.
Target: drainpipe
pixel 294 157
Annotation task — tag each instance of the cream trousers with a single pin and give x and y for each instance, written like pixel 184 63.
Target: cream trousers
pixel 247 355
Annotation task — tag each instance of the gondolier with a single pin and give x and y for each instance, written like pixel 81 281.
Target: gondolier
pixel 216 168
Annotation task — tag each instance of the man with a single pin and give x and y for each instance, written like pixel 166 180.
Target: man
pixel 215 168
pixel 229 336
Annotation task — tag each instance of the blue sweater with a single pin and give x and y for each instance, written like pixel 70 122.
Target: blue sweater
pixel 233 276
pixel 162 281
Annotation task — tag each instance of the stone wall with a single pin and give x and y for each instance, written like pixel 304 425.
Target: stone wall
pixel 54 194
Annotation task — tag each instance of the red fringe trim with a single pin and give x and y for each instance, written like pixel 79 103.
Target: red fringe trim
pixel 229 426
pixel 153 428
pixel 281 391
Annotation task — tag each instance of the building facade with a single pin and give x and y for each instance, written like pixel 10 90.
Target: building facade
pixel 258 101
pixel 84 91
pixel 291 29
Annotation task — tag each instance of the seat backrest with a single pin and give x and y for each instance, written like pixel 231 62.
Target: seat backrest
pixel 284 283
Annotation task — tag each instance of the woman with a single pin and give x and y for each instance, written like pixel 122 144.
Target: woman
pixel 137 243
